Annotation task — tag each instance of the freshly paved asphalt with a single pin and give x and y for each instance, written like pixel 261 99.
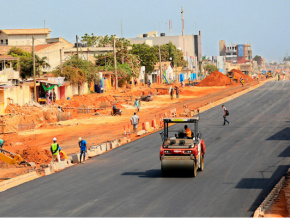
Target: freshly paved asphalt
pixel 243 162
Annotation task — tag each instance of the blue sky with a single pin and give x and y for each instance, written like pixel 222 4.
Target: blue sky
pixel 263 23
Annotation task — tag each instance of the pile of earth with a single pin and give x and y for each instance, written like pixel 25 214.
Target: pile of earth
pixel 238 74
pixel 216 78
pixel 36 155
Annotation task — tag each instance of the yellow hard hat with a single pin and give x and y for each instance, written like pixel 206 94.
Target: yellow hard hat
pixel 80 138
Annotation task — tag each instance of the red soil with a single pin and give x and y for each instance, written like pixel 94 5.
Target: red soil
pixel 216 78
pixel 36 155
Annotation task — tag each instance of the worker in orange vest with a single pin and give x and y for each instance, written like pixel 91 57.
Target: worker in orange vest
pixel 188 131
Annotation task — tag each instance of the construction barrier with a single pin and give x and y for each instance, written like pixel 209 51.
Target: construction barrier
pixel 154 124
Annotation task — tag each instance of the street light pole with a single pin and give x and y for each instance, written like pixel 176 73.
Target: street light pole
pixel 34 79
pixel 115 64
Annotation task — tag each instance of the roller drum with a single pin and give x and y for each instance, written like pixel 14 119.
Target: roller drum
pixel 177 166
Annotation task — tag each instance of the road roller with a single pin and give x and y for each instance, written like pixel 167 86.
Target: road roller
pixel 182 151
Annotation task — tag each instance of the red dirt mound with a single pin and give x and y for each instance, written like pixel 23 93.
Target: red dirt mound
pixel 216 78
pixel 239 74
pixel 36 155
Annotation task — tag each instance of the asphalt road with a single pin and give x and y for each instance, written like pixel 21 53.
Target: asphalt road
pixel 243 162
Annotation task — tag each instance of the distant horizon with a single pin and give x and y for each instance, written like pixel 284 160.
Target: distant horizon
pixel 261 23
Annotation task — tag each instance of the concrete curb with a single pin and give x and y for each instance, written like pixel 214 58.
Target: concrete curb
pixel 18 180
pixel 259 212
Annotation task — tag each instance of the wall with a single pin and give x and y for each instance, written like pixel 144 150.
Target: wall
pixel 52 53
pixel 16 40
pixel 17 94
pixel 188 49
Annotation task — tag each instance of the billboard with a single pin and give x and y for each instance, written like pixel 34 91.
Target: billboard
pixel 241 50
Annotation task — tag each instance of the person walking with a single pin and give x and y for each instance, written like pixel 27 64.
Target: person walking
pixel 242 81
pixel 225 114
pixel 135 82
pixel 53 96
pixel 83 147
pixel 149 83
pixel 171 92
pixel 137 104
pixel 177 92
pixel 134 121
pixel 55 150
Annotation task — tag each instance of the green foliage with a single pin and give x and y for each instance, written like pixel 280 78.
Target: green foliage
pixel 90 39
pixel 258 59
pixel 26 62
pixel 169 52
pixel 127 64
pixel 146 54
pixel 210 68
pixel 77 71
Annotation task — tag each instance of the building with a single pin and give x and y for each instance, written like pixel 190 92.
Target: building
pixel 167 71
pixel 218 61
pixel 190 45
pixel 8 76
pixel 236 53
pixel 22 37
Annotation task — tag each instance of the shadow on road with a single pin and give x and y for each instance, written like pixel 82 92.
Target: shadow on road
pixel 155 173
pixel 282 135
pixel 266 184
pixel 285 153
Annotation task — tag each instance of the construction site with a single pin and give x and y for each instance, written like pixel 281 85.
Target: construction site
pixel 28 130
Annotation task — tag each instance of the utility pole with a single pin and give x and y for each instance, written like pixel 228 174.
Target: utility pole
pixel 77 40
pixel 160 68
pixel 60 52
pixel 33 53
pixel 115 64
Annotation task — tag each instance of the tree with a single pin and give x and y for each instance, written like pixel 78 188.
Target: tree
pixel 210 68
pixel 91 39
pixel 286 58
pixel 26 62
pixel 169 52
pixel 77 71
pixel 147 56
pixel 258 59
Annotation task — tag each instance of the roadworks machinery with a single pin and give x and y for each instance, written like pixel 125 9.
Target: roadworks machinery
pixel 180 154
pixel 12 158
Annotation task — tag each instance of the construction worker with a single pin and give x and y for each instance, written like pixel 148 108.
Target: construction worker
pixel 1 145
pixel 188 132
pixel 225 114
pixel 55 150
pixel 83 147
pixel 242 81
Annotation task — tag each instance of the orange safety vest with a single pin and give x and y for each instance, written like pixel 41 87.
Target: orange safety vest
pixel 188 132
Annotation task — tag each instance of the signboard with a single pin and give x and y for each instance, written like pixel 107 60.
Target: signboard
pixel 241 50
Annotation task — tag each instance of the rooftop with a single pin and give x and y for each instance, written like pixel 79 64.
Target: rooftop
pixel 41 31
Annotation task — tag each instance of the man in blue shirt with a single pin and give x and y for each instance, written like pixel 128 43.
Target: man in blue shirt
pixel 83 147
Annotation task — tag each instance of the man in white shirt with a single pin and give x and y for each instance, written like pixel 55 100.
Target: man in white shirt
pixel 134 121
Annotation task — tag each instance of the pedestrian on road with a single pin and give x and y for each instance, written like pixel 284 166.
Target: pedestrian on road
pixel 149 83
pixel 134 121
pixel 135 82
pixel 225 114
pixel 137 104
pixel 242 81
pixel 171 93
pixel 54 96
pixel 177 92
pixel 83 147
pixel 55 150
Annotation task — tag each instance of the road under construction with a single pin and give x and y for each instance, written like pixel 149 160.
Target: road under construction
pixel 243 163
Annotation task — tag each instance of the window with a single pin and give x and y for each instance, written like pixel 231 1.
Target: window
pixel 6 41
pixel 2 41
